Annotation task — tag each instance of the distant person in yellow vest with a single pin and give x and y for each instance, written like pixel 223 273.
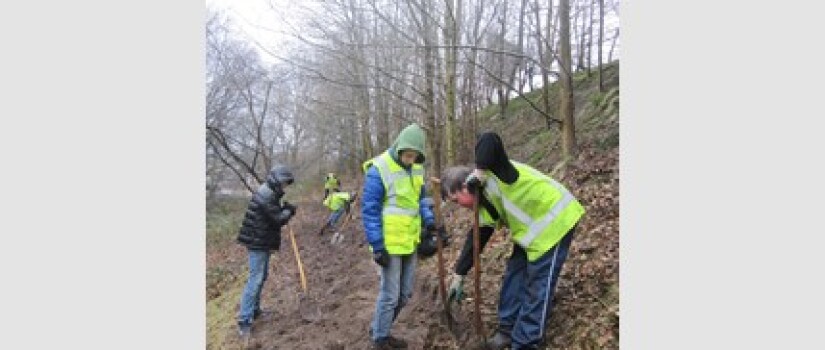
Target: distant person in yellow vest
pixel 331 184
pixel 392 212
pixel 338 203
pixel 541 215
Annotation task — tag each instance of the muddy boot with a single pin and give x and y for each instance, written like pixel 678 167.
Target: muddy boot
pixel 397 343
pixel 382 344
pixel 244 329
pixel 498 341
pixel 245 334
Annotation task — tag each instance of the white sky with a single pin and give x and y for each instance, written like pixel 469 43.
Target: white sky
pixel 261 23
pixel 256 19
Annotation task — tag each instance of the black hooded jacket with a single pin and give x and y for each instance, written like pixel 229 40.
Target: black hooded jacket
pixel 261 227
pixel 490 155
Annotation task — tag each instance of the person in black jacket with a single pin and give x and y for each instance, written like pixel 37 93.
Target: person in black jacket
pixel 261 233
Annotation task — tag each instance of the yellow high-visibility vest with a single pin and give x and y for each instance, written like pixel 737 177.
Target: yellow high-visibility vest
pixel 400 217
pixel 537 209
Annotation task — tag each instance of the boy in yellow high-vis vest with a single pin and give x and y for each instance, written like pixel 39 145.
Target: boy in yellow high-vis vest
pixel 339 204
pixel 392 214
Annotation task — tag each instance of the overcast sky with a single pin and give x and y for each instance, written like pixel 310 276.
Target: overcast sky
pixel 262 24
pixel 256 19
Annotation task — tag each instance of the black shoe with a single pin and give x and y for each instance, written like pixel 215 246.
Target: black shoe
pixel 396 343
pixel 382 344
pixel 244 330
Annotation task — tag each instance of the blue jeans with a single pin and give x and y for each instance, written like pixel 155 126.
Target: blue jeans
pixel 397 280
pixel 251 297
pixel 526 297
pixel 333 218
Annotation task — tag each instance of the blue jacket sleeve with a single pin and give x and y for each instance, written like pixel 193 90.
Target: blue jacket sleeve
pixel 426 212
pixel 372 203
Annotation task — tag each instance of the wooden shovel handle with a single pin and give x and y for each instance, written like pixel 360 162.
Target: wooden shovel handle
pixel 439 220
pixel 298 259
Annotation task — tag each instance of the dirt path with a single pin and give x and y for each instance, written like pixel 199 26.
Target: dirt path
pixel 342 286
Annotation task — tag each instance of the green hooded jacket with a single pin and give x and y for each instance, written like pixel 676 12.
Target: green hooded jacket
pixel 412 137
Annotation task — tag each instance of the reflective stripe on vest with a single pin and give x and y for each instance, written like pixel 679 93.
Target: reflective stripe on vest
pixel 399 211
pixel 535 227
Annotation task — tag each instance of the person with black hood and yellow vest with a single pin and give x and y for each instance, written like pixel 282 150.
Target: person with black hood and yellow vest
pixel 392 212
pixel 541 215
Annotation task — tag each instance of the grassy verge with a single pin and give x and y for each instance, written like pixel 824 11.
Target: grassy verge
pixel 220 315
pixel 225 274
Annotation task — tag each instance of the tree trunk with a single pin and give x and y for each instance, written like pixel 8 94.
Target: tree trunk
pixel 450 40
pixel 545 57
pixel 566 102
pixel 613 45
pixel 581 9
pixel 352 147
pixel 470 110
pixel 590 38
pixel 381 98
pixel 518 67
pixel 429 94
pixel 502 90
pixel 364 108
pixel 601 42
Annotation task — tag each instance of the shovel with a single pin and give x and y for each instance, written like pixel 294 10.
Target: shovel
pixel 440 248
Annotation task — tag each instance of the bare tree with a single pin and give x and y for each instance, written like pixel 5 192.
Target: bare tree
pixel 590 12
pixel 520 33
pixel 544 44
pixel 235 77
pixel 500 43
pixel 451 40
pixel 613 45
pixel 566 103
pixel 357 71
pixel 601 43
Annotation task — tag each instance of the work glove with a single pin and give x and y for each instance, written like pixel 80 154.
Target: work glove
pixel 290 207
pixel 381 257
pixel 456 290
pixel 474 181
pixel 287 212
pixel 441 231
pixel 428 245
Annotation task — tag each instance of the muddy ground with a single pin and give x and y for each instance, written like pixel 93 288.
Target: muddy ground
pixel 335 311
